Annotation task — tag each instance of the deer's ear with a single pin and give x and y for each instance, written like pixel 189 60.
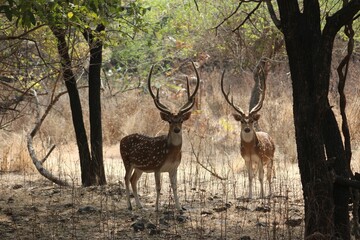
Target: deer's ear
pixel 186 116
pixel 237 117
pixel 256 116
pixel 165 116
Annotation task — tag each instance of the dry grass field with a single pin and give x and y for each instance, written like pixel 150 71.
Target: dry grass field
pixel 212 180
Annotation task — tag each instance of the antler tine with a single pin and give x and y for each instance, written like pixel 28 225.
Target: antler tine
pixel 191 99
pixel 226 95
pixel 156 98
pixel 260 70
pixel 187 87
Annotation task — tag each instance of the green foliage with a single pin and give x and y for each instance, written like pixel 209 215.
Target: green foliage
pixel 163 32
pixel 122 21
pixel 79 14
pixel 177 31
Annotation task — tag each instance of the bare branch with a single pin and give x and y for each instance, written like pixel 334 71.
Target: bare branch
pixel 342 17
pixel 197 157
pixel 356 17
pixel 342 73
pixel 228 17
pixel 247 17
pixel 4 37
pixel 48 154
pixel 197 6
pixel 38 163
pixel 273 16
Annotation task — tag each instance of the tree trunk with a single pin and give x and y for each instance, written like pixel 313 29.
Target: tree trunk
pixel 97 173
pixel 75 104
pixel 309 52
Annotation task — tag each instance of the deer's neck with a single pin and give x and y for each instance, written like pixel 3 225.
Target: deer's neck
pixel 174 139
pixel 249 144
pixel 248 137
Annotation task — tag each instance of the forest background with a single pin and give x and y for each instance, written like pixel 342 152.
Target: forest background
pixel 167 34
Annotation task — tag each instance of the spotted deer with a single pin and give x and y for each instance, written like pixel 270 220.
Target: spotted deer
pixel 157 154
pixel 257 147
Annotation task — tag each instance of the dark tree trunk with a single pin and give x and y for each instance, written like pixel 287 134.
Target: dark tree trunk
pixel 97 173
pixel 302 41
pixel 317 133
pixel 75 104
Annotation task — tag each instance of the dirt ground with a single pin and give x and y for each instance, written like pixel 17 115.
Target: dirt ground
pixel 31 207
pixel 35 209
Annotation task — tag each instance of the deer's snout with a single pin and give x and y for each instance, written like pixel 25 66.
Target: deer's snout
pixel 177 130
pixel 247 129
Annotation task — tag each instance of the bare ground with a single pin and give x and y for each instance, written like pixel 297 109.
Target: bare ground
pixel 33 208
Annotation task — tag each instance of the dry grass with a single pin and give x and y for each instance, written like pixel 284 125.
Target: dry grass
pixel 31 208
pixel 14 156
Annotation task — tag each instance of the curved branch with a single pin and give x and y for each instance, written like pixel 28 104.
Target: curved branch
pixel 37 162
pixel 342 72
pixel 272 13
pixel 197 157
pixel 342 17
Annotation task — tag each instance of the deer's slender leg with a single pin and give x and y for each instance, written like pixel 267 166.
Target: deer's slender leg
pixel 270 169
pixel 249 167
pixel 158 189
pixel 261 178
pixel 128 173
pixel 157 154
pixel 134 179
pixel 257 147
pixel 173 181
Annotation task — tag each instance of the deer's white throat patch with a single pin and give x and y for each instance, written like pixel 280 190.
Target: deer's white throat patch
pixel 175 139
pixel 247 136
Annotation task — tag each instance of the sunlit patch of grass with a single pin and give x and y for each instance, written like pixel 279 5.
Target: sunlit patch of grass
pixel 212 179
pixel 15 157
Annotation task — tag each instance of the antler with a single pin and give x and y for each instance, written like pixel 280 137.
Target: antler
pixel 156 98
pixel 260 75
pixel 226 95
pixel 191 99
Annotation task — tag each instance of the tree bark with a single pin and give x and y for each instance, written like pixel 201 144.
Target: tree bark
pixel 317 132
pixel 97 173
pixel 75 105
pixel 316 129
pixel 301 42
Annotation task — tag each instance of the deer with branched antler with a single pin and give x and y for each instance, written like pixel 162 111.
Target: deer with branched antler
pixel 157 154
pixel 257 147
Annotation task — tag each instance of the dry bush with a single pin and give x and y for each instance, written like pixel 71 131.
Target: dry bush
pixel 57 127
pixel 130 112
pixel 354 120
pixel 276 114
pixel 211 175
pixel 134 112
pixel 15 157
